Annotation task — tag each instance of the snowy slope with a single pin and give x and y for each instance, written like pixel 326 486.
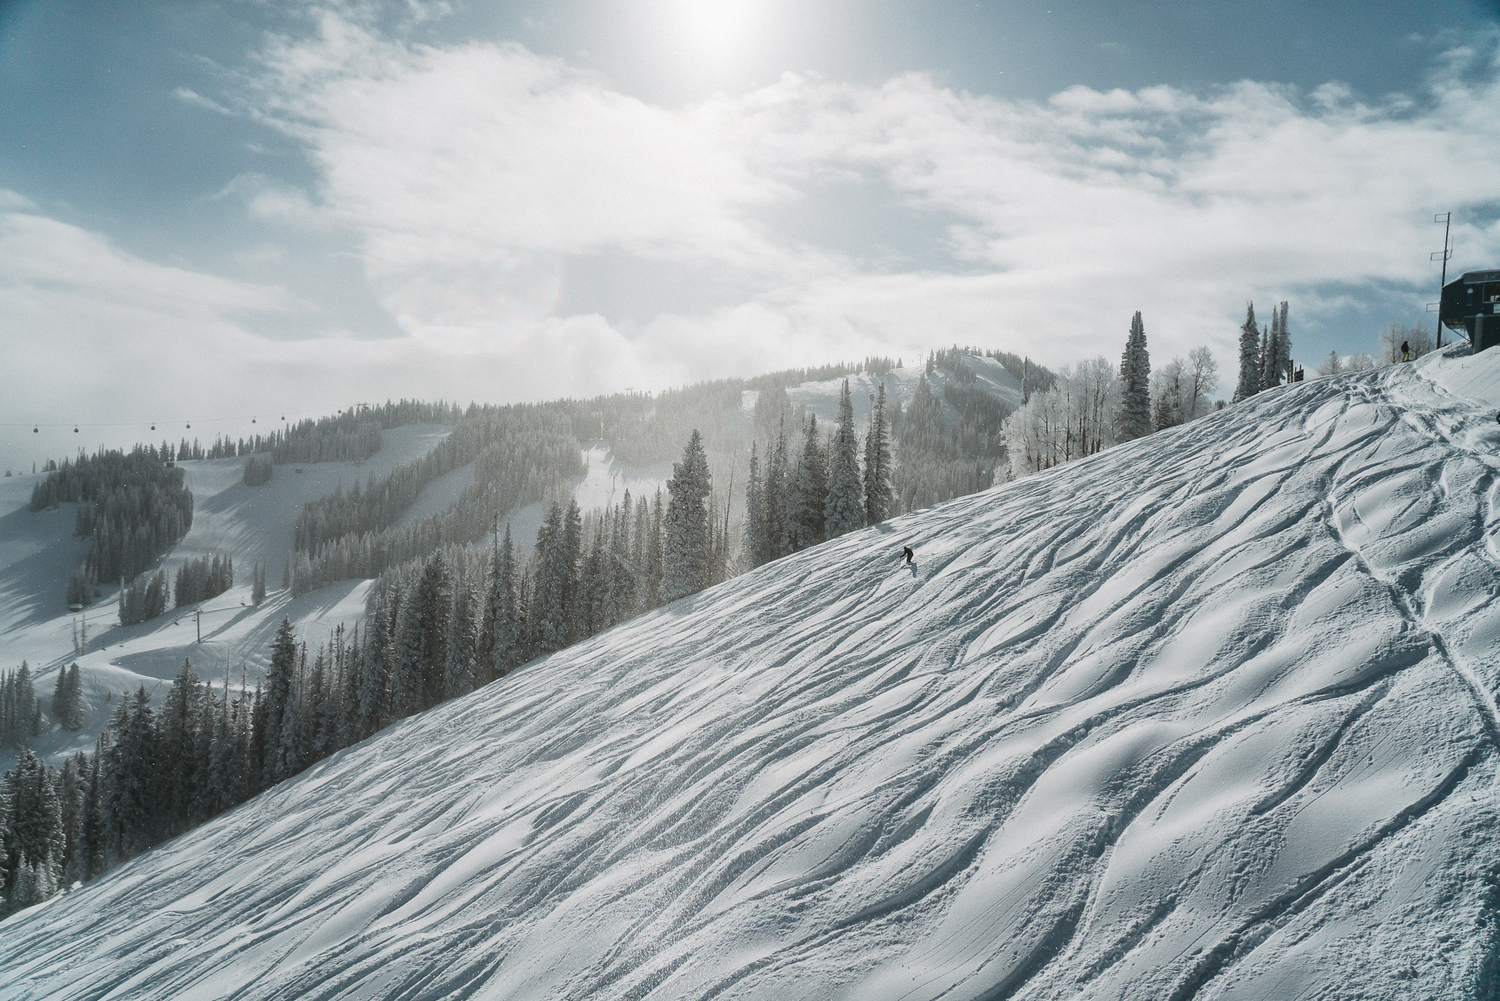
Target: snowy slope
pixel 1207 716
pixel 250 524
pixel 822 398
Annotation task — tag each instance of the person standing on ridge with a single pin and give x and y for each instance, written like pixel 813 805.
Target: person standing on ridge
pixel 910 556
pixel 1405 351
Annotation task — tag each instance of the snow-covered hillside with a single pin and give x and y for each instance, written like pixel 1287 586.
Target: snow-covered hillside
pixel 250 524
pixel 822 398
pixel 1205 716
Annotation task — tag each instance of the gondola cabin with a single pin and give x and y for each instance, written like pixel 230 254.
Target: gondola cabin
pixel 1471 306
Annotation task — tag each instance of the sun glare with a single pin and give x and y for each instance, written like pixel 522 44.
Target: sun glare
pixel 713 30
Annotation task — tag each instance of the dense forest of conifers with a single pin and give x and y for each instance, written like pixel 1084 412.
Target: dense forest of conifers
pixel 521 454
pixel 132 507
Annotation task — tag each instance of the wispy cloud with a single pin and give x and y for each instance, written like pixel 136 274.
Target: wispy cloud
pixel 476 178
pixel 472 172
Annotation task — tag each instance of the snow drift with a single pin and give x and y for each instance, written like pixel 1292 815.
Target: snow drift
pixel 1206 716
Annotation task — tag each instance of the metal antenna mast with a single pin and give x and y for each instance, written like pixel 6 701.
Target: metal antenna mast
pixel 1446 218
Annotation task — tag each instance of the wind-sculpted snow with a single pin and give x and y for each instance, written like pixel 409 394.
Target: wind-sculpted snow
pixel 1206 716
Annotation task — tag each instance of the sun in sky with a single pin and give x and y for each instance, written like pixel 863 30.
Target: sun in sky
pixel 242 208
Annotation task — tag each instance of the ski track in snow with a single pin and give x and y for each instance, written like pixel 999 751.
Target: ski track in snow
pixel 1209 715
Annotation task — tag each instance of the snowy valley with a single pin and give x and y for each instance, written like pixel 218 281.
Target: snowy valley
pixel 1207 715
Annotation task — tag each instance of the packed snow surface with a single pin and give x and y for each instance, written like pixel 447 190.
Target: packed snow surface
pixel 1206 716
pixel 249 524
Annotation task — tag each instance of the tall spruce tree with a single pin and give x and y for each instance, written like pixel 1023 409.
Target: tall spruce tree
pixel 844 509
pixel 463 639
pixel 1249 382
pixel 506 648
pixel 754 511
pixel 810 489
pixel 1284 345
pixel 686 546
pixel 878 494
pixel 1133 420
pixel 280 677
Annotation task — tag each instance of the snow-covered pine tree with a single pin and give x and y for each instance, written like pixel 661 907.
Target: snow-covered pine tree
pixel 1249 383
pixel 878 493
pixel 1271 365
pixel 625 571
pixel 686 544
pixel 809 489
pixel 280 677
pixel 754 512
pixel 35 831
pixel 570 569
pixel 434 603
pixel 462 641
pixel 775 536
pixel 375 669
pixel 844 509
pixel 71 789
pixel 1134 417
pixel 176 759
pixel 258 584
pixel 507 653
pixel 1284 347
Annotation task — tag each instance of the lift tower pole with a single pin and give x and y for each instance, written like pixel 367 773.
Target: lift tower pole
pixel 1446 218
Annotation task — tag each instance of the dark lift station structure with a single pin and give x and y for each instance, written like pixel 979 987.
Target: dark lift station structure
pixel 1471 306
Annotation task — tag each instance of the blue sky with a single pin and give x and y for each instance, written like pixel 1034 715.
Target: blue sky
pixel 226 209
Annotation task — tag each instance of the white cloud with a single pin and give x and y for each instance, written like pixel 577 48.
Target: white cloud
pixel 472 171
pixel 470 175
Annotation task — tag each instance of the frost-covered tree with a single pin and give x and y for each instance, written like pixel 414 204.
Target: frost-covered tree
pixel 809 489
pixel 1169 405
pixel 67 698
pixel 1250 368
pixel 1072 419
pixel 280 677
pixel 1133 419
pixel 754 511
pixel 844 509
pixel 1276 355
pixel 878 495
pixel 460 676
pixel 686 546
pixel 1202 380
pixel 501 613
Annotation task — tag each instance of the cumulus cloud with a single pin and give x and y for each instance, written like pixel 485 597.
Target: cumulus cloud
pixel 473 172
pixel 475 178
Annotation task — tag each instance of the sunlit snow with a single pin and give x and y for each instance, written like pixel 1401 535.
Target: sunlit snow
pixel 1208 715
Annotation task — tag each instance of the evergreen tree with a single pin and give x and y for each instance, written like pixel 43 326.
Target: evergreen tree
pixel 35 836
pixel 67 698
pixel 1283 346
pixel 845 503
pixel 878 495
pixel 809 489
pixel 754 512
pixel 1133 419
pixel 570 560
pixel 1249 382
pixel 459 677
pixel 258 584
pixel 549 601
pixel 177 755
pixel 280 678
pixel 376 670
pixel 507 651
pixel 686 546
